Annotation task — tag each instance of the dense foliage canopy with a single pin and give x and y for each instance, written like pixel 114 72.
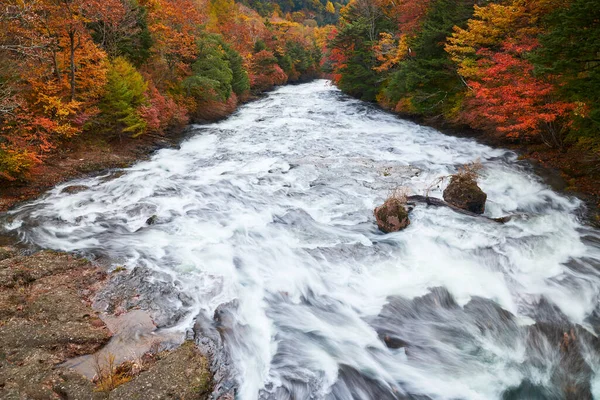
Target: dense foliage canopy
pixel 522 70
pixel 115 68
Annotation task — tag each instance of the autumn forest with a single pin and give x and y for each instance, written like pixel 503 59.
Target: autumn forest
pixel 523 72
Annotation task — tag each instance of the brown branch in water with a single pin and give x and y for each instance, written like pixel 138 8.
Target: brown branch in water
pixel 434 201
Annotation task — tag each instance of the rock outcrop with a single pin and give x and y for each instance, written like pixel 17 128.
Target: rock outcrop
pixel 392 216
pixel 46 318
pixel 463 192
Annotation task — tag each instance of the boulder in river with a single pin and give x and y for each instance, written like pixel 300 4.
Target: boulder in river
pixel 463 192
pixel 392 216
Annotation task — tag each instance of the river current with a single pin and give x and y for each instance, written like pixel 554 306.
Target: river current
pixel 273 208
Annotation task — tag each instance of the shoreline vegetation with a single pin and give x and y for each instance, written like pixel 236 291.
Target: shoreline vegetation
pixel 104 80
pixel 519 74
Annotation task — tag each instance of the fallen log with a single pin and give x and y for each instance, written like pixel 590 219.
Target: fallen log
pixel 434 201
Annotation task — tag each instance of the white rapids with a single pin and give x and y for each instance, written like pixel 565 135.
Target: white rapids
pixel 274 207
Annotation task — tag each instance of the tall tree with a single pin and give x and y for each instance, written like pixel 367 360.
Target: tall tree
pixel 570 48
pixel 426 81
pixel 353 51
pixel 504 93
pixel 123 101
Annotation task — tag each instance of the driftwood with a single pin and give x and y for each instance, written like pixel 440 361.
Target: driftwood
pixel 433 201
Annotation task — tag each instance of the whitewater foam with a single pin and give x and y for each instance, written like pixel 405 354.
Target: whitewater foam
pixel 273 207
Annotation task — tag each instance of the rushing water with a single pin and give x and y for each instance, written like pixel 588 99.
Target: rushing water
pixel 274 207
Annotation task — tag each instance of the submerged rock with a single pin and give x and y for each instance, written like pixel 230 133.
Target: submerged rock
pixel 74 189
pixel 530 391
pixel 393 342
pixel 209 334
pixel 570 346
pixel 463 192
pixel 392 216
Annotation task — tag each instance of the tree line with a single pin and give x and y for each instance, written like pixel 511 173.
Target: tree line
pixel 126 68
pixel 525 71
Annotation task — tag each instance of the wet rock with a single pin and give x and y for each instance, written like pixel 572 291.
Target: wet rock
pixel 208 335
pixel 433 201
pixel 393 342
pixel 152 291
pixel 490 317
pixel 392 216
pixel 419 325
pixel 351 381
pixel 134 335
pixel 152 220
pixel 571 375
pixel 394 324
pixel 180 374
pixel 503 220
pixel 528 390
pixel 74 189
pixel 438 297
pixel 554 337
pixel 45 318
pixel 550 314
pixel 464 193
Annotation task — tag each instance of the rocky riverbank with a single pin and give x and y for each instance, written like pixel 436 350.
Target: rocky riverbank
pixel 82 157
pixel 265 269
pixel 56 343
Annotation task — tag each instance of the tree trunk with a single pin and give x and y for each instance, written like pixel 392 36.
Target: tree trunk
pixel 56 69
pixel 72 73
pixel 433 201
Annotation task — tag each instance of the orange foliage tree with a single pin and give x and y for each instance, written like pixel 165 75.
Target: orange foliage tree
pixel 108 67
pixel 60 74
pixel 504 95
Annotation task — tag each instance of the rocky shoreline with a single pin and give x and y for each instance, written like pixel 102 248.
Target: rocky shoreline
pixel 57 342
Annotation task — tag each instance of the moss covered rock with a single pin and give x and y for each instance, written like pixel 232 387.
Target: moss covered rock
pixel 392 216
pixel 181 374
pixel 464 193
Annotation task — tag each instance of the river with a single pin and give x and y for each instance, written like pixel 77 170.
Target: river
pixel 273 208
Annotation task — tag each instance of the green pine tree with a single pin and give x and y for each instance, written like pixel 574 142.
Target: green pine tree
pixel 571 49
pixel 123 97
pixel 213 75
pixel 428 77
